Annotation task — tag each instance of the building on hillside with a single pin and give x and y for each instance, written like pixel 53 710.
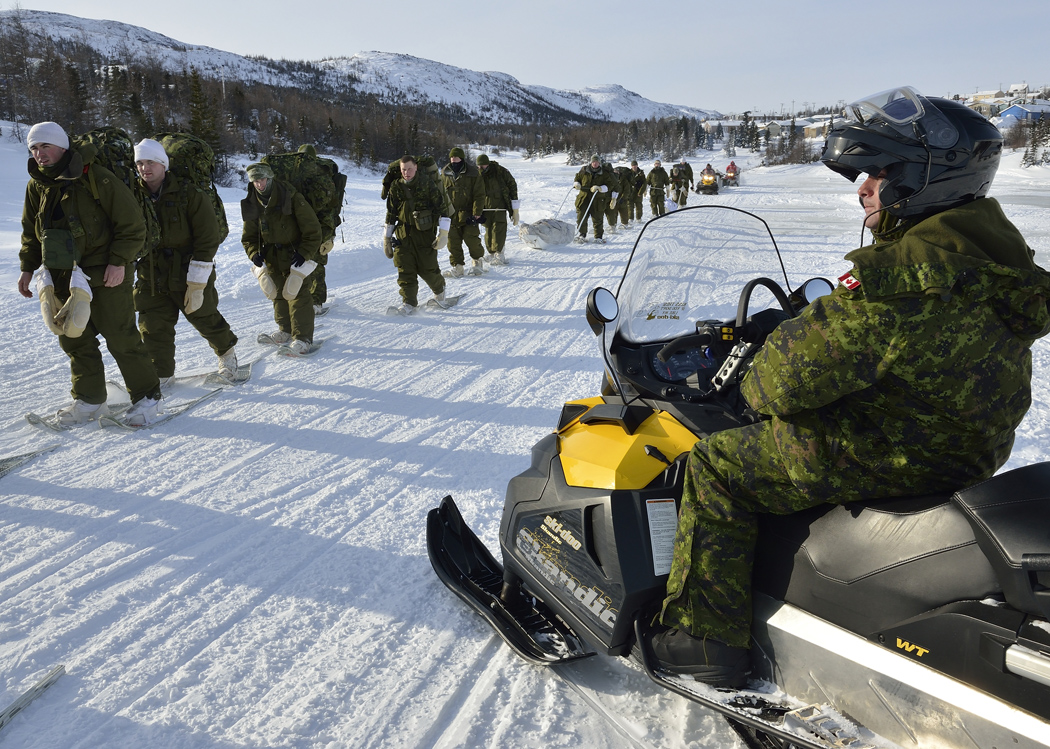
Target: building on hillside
pixel 1016 113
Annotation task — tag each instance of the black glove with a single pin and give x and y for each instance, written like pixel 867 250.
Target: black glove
pixel 257 258
pixel 480 219
pixel 298 260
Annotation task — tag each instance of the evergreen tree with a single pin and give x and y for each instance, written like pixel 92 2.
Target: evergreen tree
pixel 202 114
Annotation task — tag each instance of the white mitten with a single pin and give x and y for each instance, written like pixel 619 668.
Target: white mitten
pixel 45 289
pixel 269 288
pixel 326 246
pixel 514 205
pixel 595 188
pixel 196 279
pixel 603 188
pixel 577 185
pixel 612 203
pixel 296 276
pixel 75 313
pixel 388 241
pixel 441 240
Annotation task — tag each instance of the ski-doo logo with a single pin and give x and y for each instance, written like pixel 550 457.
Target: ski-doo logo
pixel 909 647
pixel 562 532
pixel 593 599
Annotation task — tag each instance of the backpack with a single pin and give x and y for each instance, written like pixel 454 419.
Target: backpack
pixel 428 166
pixel 318 180
pixel 192 162
pixel 115 151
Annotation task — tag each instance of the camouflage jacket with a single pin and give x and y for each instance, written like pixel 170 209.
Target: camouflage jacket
pixel 638 182
pixel 466 192
pixel 285 226
pixel 589 178
pixel 109 231
pixel 410 205
pixel 658 178
pixel 919 364
pixel 500 186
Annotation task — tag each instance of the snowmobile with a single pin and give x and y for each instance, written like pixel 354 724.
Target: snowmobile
pixel 915 622
pixel 730 178
pixel 708 184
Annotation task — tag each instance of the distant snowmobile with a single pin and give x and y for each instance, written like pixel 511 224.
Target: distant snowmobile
pixel 919 621
pixel 707 184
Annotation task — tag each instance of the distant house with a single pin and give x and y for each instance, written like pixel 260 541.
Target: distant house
pixel 1015 113
pixel 776 128
pixel 728 126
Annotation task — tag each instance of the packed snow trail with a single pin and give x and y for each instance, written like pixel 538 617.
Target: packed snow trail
pixel 253 573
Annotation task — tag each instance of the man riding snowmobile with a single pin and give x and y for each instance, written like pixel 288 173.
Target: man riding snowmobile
pixel 731 175
pixel 857 401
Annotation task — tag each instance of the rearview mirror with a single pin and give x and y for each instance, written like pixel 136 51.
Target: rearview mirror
pixel 602 309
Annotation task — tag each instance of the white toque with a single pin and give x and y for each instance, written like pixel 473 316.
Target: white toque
pixel 47 132
pixel 148 149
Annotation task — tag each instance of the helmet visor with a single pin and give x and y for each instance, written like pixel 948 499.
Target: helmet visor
pixel 898 106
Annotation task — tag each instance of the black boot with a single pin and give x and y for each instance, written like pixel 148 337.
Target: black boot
pixel 705 659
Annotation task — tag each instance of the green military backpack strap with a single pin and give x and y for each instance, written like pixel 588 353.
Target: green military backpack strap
pixel 192 162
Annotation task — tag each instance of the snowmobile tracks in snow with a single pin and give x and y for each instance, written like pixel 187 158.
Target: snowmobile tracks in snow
pixel 467 568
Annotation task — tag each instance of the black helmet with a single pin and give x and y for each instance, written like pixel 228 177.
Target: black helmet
pixel 937 153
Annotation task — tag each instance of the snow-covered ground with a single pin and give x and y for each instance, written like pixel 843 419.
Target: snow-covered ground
pixel 253 573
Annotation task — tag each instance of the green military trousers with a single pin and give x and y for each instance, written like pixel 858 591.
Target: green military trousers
pixel 495 231
pixel 730 477
pixel 636 207
pixel 416 258
pixel 112 317
pixel 460 234
pixel 656 201
pixel 159 310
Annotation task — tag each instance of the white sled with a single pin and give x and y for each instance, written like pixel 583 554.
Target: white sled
pixel 547 232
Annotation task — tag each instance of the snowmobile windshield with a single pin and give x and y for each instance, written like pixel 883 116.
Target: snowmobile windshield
pixel 690 265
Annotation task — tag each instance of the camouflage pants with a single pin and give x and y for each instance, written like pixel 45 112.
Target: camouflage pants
pixel 730 477
pixel 596 213
pixel 637 205
pixel 295 316
pixel 680 194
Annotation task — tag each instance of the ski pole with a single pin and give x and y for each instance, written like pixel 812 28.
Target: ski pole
pixel 563 201
pixel 584 219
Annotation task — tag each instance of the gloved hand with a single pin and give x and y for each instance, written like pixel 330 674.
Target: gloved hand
pixel 441 240
pixel 514 206
pixel 269 288
pixel 75 313
pixel 326 246
pixel 297 260
pixel 196 279
pixel 297 274
pixel 577 186
pixel 594 188
pixel 603 188
pixel 612 203
pixel 479 219
pixel 388 241
pixel 257 258
pixel 45 289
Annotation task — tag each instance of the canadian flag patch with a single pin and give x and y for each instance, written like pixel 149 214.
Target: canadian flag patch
pixel 847 280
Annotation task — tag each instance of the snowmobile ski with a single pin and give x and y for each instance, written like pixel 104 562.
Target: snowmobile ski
pixel 12 462
pixel 467 568
pixel 289 353
pixel 169 412
pixel 450 301
pixel 30 694
pixel 758 714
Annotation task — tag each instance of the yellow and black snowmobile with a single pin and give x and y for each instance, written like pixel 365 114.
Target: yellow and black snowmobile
pixel 916 622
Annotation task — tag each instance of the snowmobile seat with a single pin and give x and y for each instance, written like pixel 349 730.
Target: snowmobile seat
pixel 1010 517
pixel 868 565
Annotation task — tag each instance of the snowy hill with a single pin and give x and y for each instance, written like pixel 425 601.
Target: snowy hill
pixel 488 97
pixel 253 573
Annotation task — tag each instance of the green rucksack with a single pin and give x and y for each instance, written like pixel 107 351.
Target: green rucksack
pixel 192 162
pixel 318 180
pixel 427 166
pixel 115 151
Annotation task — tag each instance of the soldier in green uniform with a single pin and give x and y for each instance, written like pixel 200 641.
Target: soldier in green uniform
pixel 501 197
pixel 685 168
pixel 623 202
pixel 415 230
pixel 466 192
pixel 83 228
pixel 909 379
pixel 282 237
pixel 658 182
pixel 679 185
pixel 595 185
pixel 637 193
pixel 616 188
pixel 179 275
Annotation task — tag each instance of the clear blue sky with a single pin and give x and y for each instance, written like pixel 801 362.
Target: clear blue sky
pixel 760 55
